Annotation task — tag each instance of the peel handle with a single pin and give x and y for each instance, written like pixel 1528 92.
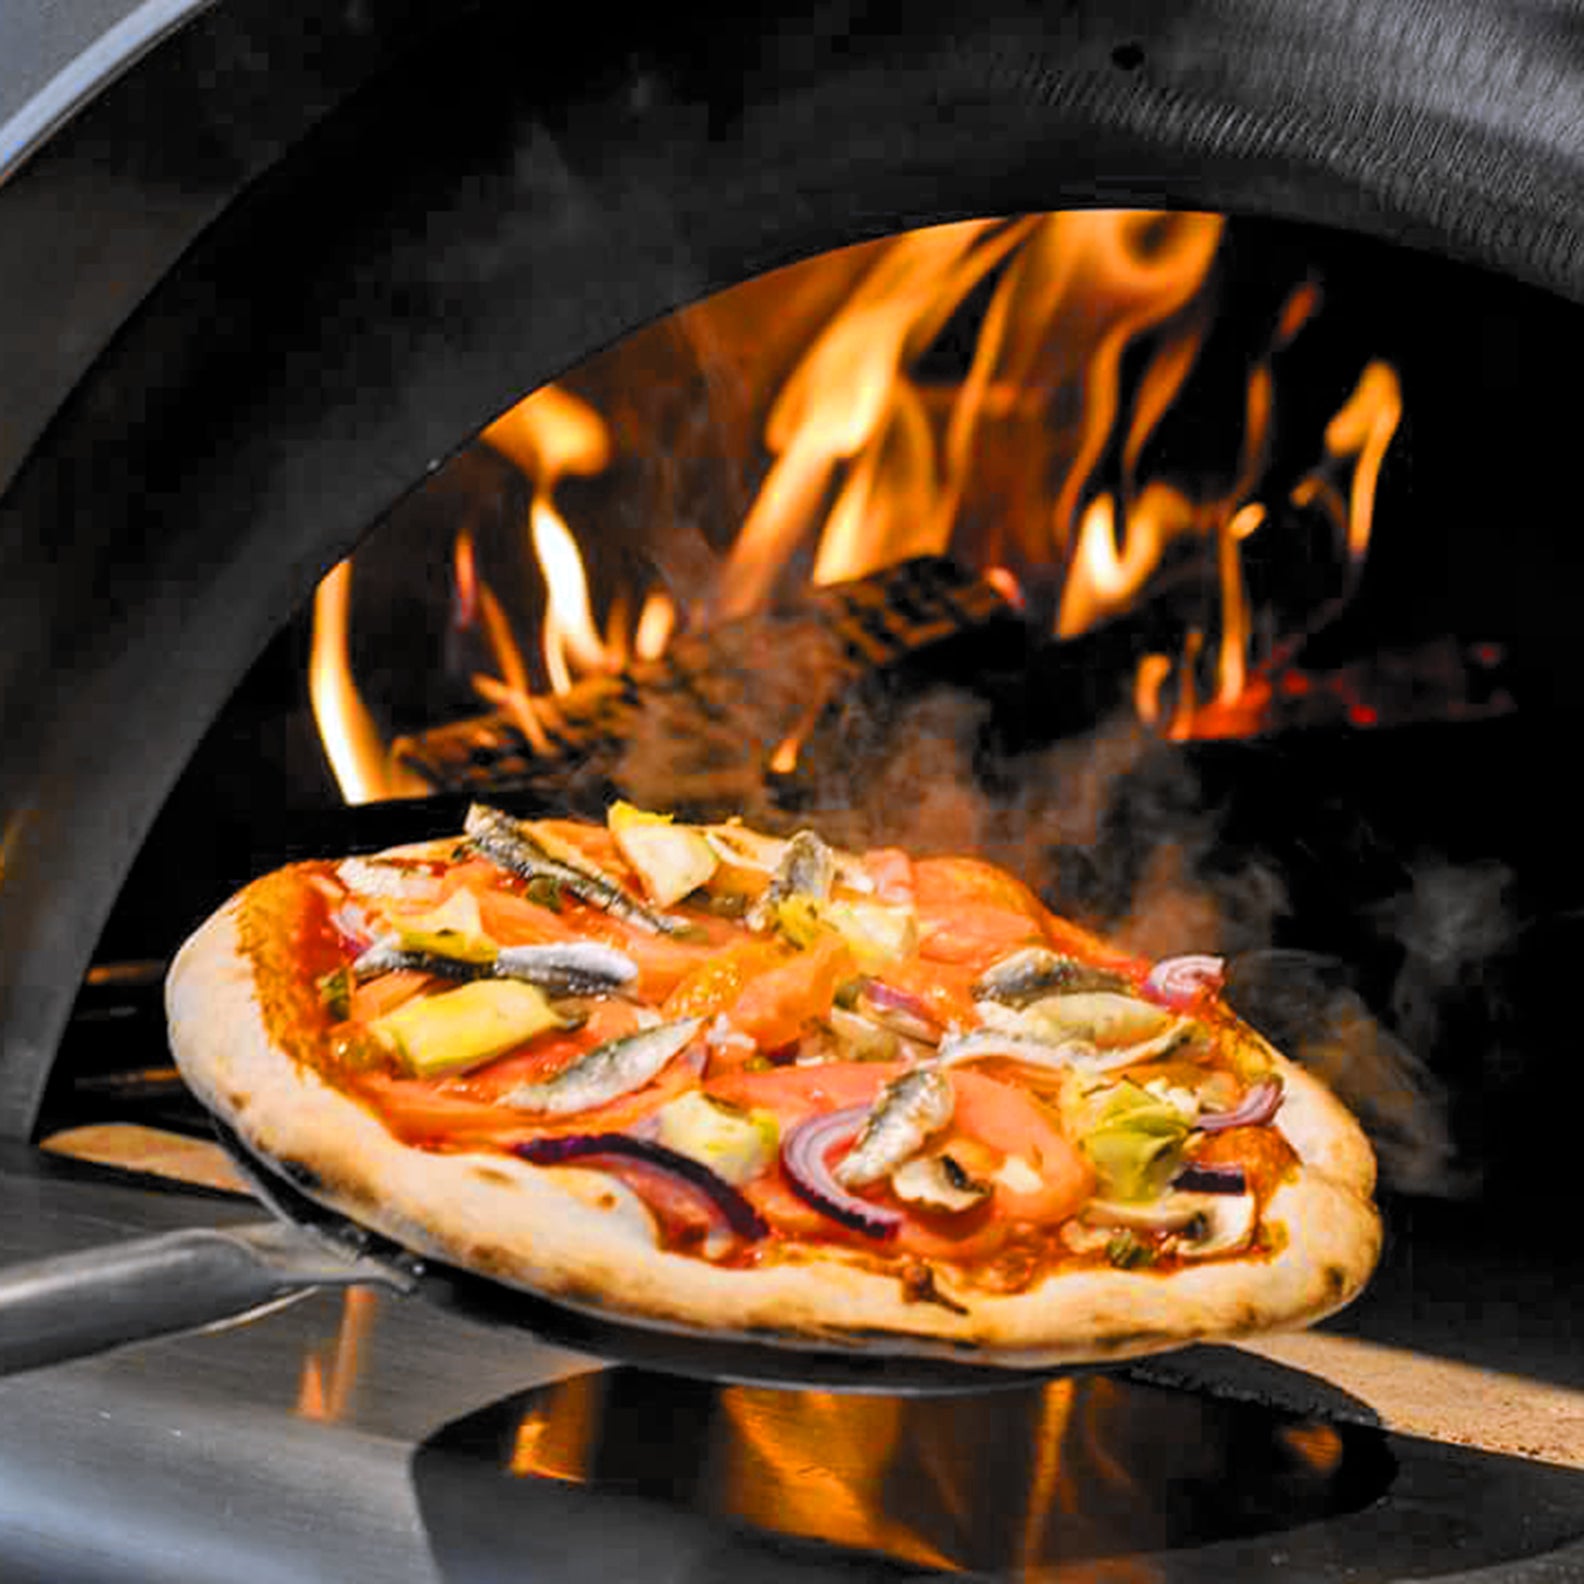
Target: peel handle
pixel 71 1305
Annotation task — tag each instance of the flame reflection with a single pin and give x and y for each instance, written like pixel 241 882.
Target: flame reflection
pixel 1086 1475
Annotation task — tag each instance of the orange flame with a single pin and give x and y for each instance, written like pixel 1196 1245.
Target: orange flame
pixel 1363 428
pixel 330 1377
pixel 357 752
pixel 1033 464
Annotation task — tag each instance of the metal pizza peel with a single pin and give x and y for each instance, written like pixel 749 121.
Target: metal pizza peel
pixel 73 1305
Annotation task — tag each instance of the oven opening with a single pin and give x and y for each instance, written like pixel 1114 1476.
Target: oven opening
pixel 1202 570
pixel 1194 567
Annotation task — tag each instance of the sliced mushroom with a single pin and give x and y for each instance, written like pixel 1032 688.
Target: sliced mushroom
pixel 1227 1226
pixel 937 1182
pixel 1199 1225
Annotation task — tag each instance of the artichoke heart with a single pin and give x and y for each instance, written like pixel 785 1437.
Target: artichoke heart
pixel 734 1143
pixel 454 930
pixel 463 1027
pixel 1134 1143
pixel 671 860
pixel 1104 1018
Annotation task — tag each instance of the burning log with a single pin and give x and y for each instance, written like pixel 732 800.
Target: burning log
pixel 724 706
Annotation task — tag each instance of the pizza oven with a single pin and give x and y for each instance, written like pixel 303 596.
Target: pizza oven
pixel 1129 441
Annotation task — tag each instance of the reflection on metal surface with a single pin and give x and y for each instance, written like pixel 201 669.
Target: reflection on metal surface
pixel 1085 1469
pixel 330 1375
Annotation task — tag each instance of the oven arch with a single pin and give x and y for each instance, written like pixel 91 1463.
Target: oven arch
pixel 351 303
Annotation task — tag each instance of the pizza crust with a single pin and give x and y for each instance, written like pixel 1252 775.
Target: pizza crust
pixel 583 1239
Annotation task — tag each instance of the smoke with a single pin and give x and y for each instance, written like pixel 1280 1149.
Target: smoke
pixel 1116 830
pixel 1304 1003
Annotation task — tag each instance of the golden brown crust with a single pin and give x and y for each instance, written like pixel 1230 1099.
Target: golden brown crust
pixel 579 1237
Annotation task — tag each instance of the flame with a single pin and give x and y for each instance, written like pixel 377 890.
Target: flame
pixel 1037 462
pixel 352 742
pixel 569 632
pixel 329 1377
pixel 843 399
pixel 1362 429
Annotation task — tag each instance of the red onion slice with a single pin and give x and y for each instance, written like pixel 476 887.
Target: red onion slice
pixel 1258 1106
pixel 901 1011
pixel 1178 982
pixel 803 1153
pixel 589 1148
pixel 1211 1179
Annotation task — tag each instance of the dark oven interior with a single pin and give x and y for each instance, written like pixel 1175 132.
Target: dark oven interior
pixel 324 257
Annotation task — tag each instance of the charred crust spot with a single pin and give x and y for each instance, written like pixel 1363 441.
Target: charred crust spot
pixel 493 1175
pixel 918 1286
pixel 1335 1280
pixel 301 1176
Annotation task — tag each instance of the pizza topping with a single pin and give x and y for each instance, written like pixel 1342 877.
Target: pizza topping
pixel 383 877
pixel 671 860
pixel 899 1010
pixel 1135 1142
pixel 805 1152
pixel 806 869
pixel 1183 982
pixel 987 1043
pixel 938 1182
pixel 622 1148
pixel 857 1038
pixel 335 992
pixel 1211 1179
pixel 507 842
pixel 877 933
pixel 1101 1018
pixel 734 1143
pixel 910 1108
pixel 1035 971
pixel 1258 1107
pixel 461 1028
pixel 575 968
pixel 453 930
pixel 615 1068
pixel 1079 1037
pixel 1226 1226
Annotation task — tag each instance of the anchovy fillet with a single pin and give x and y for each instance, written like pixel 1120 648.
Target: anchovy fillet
pixel 1036 971
pixel 501 839
pixel 605 1073
pixel 388 955
pixel 909 1109
pixel 571 968
pixel 807 868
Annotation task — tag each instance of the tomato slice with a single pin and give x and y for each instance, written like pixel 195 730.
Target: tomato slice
pixel 974 935
pixel 383 994
pixel 794 1093
pixel 776 1005
pixel 1009 1119
pixel 718 981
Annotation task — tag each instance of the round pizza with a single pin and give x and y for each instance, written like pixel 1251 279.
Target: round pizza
pixel 746 1086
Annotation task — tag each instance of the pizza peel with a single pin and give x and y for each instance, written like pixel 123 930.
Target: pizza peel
pixel 73 1305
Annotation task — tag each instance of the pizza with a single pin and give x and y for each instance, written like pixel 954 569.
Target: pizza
pixel 751 1086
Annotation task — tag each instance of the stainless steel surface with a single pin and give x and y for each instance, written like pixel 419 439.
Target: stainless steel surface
pixel 360 1437
pixel 273 1450
pixel 70 1305
pixel 54 58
